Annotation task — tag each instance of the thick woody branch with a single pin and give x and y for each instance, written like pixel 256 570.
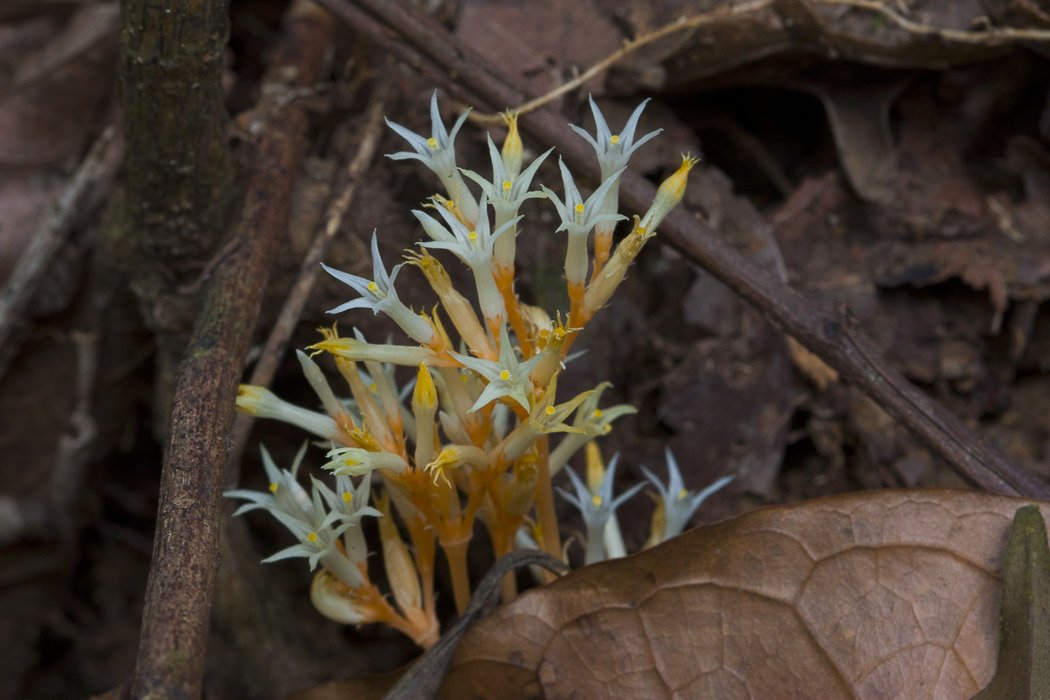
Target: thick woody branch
pixel 174 632
pixel 428 47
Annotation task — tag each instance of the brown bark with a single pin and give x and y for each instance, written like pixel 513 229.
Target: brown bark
pixel 178 171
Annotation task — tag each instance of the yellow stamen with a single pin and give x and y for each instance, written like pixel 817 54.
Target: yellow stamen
pixel 273 488
pixel 549 410
pixel 347 497
pixel 373 387
pixel 373 287
pixel 579 208
pixel 682 493
pixel 597 413
pixel 504 375
pixel 596 500
pixel 473 236
pixel 614 139
pixel 312 537
pixel 507 185
pixel 432 142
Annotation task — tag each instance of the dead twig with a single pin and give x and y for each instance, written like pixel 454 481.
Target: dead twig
pixel 178 594
pixel 84 193
pixel 430 48
pixel 48 513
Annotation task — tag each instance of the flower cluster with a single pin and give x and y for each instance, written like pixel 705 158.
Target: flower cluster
pixel 480 432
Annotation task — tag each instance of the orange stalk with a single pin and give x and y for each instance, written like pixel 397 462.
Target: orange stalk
pixel 602 250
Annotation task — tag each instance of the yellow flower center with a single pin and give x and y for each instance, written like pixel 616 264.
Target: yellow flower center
pixel 373 287
pixel 504 375
pixel 579 208
pixel 473 236
pixel 506 185
pixel 273 488
pixel 347 496
pixel 596 500
pixel 312 537
pixel 614 139
pixel 432 142
pixel 682 493
pixel 373 387
pixel 549 410
pixel 597 413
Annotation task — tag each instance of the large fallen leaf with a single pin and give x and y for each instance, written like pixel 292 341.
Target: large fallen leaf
pixel 879 594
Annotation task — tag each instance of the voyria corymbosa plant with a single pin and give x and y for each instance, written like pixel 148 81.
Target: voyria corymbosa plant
pixel 480 431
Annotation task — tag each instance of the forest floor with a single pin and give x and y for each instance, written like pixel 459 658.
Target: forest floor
pixel 898 178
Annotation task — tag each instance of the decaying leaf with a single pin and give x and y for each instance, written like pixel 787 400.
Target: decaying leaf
pixel 877 594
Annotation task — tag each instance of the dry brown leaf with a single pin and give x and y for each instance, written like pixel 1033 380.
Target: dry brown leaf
pixel 878 594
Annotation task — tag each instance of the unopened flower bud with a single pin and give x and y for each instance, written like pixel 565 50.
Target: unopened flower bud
pixel 670 194
pixel 513 149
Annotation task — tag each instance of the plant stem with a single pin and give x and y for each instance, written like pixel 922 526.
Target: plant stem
pixel 456 554
pixel 548 518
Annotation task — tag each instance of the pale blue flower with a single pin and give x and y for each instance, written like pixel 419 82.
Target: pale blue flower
pixel 306 517
pixel 614 150
pixel 678 502
pixel 475 247
pixel 378 294
pixel 472 246
pixel 578 217
pixel 438 153
pixel 506 192
pixel 348 505
pixel 284 491
pixel 508 377
pixel 597 508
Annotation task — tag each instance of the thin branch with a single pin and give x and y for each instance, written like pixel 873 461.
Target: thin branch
pixel 84 192
pixel 185 550
pixel 48 512
pixel 430 48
